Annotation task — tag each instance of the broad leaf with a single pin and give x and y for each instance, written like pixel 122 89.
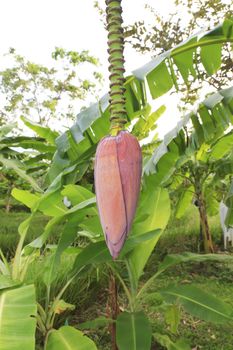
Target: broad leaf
pixel 185 199
pixel 160 79
pixel 153 213
pixel 174 259
pixel 17 167
pixel 211 54
pixel 97 253
pixel 165 341
pixel 67 236
pixel 222 146
pixel 133 331
pixel 159 75
pixel 199 303
pixel 98 322
pixel 27 198
pixel 77 194
pixel 216 116
pixel 94 253
pixel 69 338
pixel 134 241
pixel 18 318
pixel 39 241
pixel 7 282
pixel 42 131
pixel 172 317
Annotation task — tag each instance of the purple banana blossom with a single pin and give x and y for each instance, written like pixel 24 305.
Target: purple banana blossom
pixel 118 168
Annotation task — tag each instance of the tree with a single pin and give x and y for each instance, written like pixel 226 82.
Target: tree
pixel 47 94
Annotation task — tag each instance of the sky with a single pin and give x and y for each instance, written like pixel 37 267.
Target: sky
pixel 34 28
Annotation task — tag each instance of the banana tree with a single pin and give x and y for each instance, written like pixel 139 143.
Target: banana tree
pixel 203 180
pixel 196 156
pixel 160 76
pixel 26 157
pixel 152 75
pixel 73 158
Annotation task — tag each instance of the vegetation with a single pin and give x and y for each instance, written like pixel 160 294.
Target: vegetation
pixel 47 93
pixel 181 235
pixel 58 277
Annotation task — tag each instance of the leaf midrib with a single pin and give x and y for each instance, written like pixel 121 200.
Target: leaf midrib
pixel 64 341
pixel 133 331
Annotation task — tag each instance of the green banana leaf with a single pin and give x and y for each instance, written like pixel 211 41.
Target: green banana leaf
pixel 18 318
pixel 199 303
pixel 133 331
pixel 69 338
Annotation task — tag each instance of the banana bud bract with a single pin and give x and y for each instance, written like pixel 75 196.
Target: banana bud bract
pixel 118 168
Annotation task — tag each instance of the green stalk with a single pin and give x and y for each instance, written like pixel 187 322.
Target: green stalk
pixel 50 311
pixel 17 258
pixel 46 338
pixel 132 285
pixel 118 115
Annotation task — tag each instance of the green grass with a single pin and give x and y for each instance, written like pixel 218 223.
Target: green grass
pixel 9 223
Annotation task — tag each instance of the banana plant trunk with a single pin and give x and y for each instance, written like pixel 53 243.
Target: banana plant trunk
pixel 112 308
pixel 206 234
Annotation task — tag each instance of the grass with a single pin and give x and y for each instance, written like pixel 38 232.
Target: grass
pixel 9 236
pixel 89 293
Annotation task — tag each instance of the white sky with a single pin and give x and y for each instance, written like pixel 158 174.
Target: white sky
pixel 35 27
